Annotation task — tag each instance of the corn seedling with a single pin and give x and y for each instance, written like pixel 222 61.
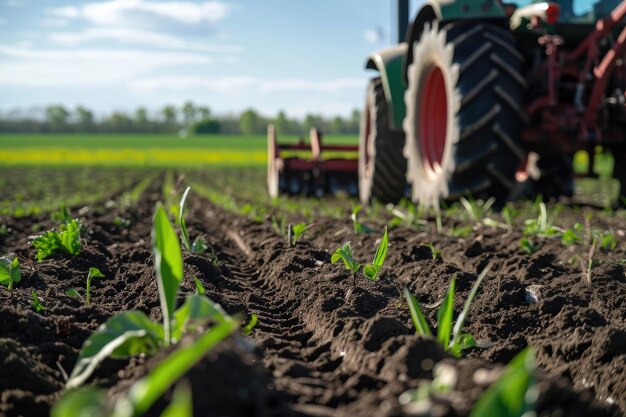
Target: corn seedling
pixel 93 273
pixel 10 273
pixel 411 217
pixel 279 225
pixel 133 332
pixel 297 231
pixel 144 393
pixel 199 245
pixel 443 383
pixel 37 306
pixel 477 209
pixel 358 227
pixel 199 287
pixel 344 253
pixel 72 292
pixel 527 246
pixel 573 236
pixel 64 240
pixel 514 394
pixel 372 270
pixel 541 226
pixel 608 242
pixel 434 252
pixel 247 329
pixel 451 338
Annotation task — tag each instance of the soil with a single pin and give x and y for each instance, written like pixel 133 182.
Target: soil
pixel 326 343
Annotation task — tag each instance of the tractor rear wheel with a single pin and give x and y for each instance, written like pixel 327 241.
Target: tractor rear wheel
pixel 464 116
pixel 382 167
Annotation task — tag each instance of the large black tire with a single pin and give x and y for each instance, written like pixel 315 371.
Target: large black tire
pixel 477 146
pixel 382 167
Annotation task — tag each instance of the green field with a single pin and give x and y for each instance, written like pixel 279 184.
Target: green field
pixel 141 149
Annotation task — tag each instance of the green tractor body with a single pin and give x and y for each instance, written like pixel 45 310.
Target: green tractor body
pixel 490 97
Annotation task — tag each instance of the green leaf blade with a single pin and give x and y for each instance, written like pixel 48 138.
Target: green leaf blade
pixel 126 334
pixel 168 262
pixel 381 251
pixel 419 321
pixel 181 220
pixel 445 315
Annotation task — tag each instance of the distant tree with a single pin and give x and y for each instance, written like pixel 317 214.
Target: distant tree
pixel 57 117
pixel 312 120
pixel 170 115
pixel 204 112
pixel 141 122
pixel 84 118
pixel 337 125
pixel 120 123
pixel 282 124
pixel 189 111
pixel 206 127
pixel 251 123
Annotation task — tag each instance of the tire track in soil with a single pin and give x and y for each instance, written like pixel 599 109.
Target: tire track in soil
pixel 320 362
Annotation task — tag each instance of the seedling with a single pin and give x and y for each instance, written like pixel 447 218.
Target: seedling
pixel 541 226
pixel 527 246
pixel 247 329
pixel 434 252
pixel 133 332
pixel 451 339
pixel 64 240
pixel 372 270
pixel 144 393
pixel 10 273
pixel 413 217
pixel 74 294
pixel 514 394
pixel 199 245
pixel 297 231
pixel 37 306
pixel 199 287
pixel 608 242
pixel 477 209
pixel 93 273
pixel 344 253
pixel 358 227
pixel 573 236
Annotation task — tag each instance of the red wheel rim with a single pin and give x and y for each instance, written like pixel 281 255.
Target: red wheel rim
pixel 433 119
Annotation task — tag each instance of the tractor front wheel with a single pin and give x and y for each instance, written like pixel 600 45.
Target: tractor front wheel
pixel 464 116
pixel 382 167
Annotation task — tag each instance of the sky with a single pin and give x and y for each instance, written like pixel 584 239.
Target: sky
pixel 116 55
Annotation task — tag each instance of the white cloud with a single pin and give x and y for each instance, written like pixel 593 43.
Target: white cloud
pixel 86 67
pixel 53 22
pixel 145 12
pixel 376 35
pixel 243 84
pixel 138 37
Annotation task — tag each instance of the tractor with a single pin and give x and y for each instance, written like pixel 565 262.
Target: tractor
pixel 481 98
pixel 493 99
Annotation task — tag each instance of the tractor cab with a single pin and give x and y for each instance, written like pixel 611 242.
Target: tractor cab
pixel 573 20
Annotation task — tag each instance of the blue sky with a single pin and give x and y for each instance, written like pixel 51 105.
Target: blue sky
pixel 230 55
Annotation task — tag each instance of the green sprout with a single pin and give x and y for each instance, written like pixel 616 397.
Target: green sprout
pixel 199 245
pixel 93 273
pixel 64 240
pixel 514 394
pixel 608 242
pixel 10 273
pixel 358 227
pixel 451 338
pixel 133 332
pixel 247 329
pixel 541 226
pixel 434 252
pixel 528 246
pixel 37 306
pixel 344 253
pixel 144 393
pixel 199 287
pixel 297 231
pixel 573 236
pixel 372 270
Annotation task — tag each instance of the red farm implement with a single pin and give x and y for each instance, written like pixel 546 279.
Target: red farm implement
pixel 302 168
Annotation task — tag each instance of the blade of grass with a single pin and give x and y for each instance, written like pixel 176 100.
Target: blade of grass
pixel 444 316
pixel 461 319
pixel 419 321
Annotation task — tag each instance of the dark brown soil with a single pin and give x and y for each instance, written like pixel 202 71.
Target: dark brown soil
pixel 323 345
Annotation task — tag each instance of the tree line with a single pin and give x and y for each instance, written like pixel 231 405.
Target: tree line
pixel 188 118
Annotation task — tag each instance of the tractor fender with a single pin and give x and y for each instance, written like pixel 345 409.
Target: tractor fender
pixel 446 11
pixel 389 63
